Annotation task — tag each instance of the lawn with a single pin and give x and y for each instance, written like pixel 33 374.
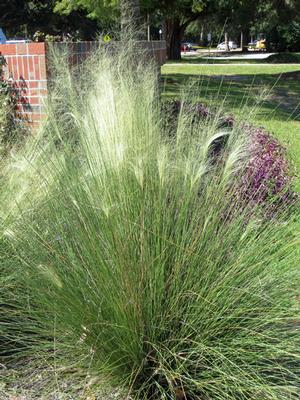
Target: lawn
pixel 267 95
pixel 230 69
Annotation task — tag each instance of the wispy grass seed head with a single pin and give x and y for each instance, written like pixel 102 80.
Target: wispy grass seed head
pixel 124 263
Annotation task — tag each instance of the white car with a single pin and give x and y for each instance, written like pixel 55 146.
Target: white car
pixel 222 46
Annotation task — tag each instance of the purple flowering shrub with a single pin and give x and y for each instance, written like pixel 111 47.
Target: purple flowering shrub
pixel 267 178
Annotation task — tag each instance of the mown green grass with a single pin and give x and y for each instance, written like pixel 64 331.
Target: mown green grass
pixel 269 95
pixel 215 69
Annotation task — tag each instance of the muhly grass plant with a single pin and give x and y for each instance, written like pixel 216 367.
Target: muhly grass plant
pixel 127 261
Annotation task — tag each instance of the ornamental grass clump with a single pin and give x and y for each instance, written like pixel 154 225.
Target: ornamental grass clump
pixel 120 266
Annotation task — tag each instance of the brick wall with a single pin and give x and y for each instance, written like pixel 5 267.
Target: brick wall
pixel 79 51
pixel 156 49
pixel 26 66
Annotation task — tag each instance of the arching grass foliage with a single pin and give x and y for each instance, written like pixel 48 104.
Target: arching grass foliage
pixel 126 255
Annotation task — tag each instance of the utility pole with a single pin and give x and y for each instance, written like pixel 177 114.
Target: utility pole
pixel 226 42
pixel 201 35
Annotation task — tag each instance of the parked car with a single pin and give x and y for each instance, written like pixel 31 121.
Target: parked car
pixel 188 46
pixel 258 45
pixel 232 45
pixel 252 44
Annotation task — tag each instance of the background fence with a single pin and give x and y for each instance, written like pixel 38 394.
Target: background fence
pixel 27 67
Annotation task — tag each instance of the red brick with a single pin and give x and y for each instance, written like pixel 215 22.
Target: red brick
pixel 8 49
pixel 34 100
pixel 14 71
pixel 36 48
pixel 9 63
pixel 20 66
pixel 43 70
pixel 25 68
pixel 33 84
pixel 33 92
pixel 30 66
pixel 36 116
pixel 37 92
pixel 37 74
pixel 21 48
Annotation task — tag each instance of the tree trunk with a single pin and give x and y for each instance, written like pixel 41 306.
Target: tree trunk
pixel 246 40
pixel 131 23
pixel 174 33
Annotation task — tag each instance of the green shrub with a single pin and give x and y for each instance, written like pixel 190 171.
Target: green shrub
pixel 11 129
pixel 121 261
pixel 290 34
pixel 7 112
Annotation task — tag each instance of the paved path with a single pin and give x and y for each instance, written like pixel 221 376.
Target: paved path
pixel 232 56
pixel 247 56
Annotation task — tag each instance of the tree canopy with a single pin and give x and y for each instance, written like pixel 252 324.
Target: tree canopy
pixel 175 14
pixel 25 17
pixel 101 10
pixel 279 20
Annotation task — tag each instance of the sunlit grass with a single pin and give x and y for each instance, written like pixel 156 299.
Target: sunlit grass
pixel 126 257
pixel 248 69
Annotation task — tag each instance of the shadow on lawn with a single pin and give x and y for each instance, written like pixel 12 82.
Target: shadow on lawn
pixel 265 94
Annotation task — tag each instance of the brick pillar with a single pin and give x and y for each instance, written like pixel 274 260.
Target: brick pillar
pixel 27 70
